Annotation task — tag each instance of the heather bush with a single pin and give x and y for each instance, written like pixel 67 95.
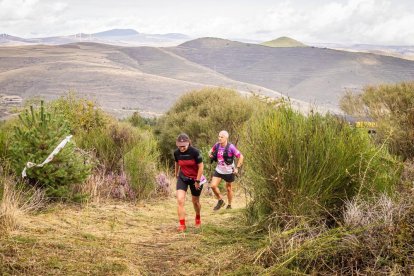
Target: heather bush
pixel 163 187
pixel 202 114
pixel 392 107
pixel 307 166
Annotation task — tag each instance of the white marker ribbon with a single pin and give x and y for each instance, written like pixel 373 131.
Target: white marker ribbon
pixel 49 158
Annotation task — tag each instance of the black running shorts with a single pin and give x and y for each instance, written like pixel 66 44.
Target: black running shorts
pixel 226 177
pixel 183 185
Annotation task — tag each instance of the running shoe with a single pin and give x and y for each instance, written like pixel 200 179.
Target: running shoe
pixel 220 204
pixel 182 228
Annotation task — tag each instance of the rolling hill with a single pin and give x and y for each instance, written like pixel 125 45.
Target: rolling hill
pixel 120 79
pixel 283 42
pixel 310 74
pixel 149 79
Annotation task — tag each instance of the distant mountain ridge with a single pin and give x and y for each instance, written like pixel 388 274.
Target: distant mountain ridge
pixel 131 37
pixel 121 37
pixel 116 32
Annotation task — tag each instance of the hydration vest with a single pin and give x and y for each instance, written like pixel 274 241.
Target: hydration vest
pixel 227 159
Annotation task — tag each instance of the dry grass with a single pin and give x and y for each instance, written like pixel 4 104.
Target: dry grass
pixel 382 210
pixel 376 237
pixel 101 187
pixel 119 238
pixel 16 203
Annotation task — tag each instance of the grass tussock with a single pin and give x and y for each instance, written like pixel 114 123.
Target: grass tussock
pixel 308 166
pixel 17 202
pixel 375 238
pixel 141 165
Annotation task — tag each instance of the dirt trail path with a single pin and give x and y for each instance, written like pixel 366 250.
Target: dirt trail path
pixel 119 239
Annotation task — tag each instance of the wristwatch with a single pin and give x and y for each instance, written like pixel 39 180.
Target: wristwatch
pixel 197 181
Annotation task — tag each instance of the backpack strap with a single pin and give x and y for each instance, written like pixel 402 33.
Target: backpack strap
pixel 216 147
pixel 227 148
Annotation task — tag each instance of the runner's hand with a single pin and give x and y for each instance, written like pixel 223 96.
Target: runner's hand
pixel 197 186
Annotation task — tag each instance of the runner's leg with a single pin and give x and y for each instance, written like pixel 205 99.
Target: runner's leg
pixel 229 192
pixel 180 201
pixel 197 205
pixel 214 186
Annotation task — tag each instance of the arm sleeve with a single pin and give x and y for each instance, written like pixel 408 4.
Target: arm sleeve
pixel 213 149
pixel 235 151
pixel 198 158
pixel 175 156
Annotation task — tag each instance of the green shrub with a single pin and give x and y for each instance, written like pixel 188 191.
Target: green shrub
pixel 34 139
pixel 392 107
pixel 109 144
pixel 307 166
pixel 202 114
pixel 6 133
pixel 141 165
pixel 81 114
pixel 138 121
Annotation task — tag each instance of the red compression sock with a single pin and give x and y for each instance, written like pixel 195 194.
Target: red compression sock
pixel 182 226
pixel 197 221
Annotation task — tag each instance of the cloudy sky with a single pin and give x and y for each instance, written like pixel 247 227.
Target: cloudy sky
pixel 311 21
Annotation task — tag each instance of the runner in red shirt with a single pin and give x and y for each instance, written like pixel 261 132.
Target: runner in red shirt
pixel 189 173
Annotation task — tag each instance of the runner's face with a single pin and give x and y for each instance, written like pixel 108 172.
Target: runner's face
pixel 222 139
pixel 183 148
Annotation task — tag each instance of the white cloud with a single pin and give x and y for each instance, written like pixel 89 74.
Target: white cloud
pixel 346 21
pixel 12 10
pixel 354 21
